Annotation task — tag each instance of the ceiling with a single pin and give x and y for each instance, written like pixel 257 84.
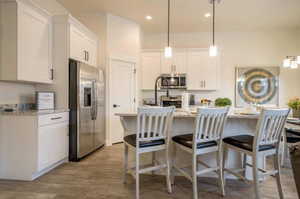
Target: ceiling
pixel 188 15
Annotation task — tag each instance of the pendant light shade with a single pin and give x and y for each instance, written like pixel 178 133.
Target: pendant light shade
pixel 213 49
pixel 294 64
pixel 286 63
pixel 168 49
pixel 168 52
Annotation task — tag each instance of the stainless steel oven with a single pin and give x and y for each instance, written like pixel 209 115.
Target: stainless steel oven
pixel 177 81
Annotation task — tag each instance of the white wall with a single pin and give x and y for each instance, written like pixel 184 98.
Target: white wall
pixel 123 37
pixel 241 49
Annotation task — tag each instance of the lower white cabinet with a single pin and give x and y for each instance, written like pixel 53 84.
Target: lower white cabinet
pixel 31 145
pixel 52 144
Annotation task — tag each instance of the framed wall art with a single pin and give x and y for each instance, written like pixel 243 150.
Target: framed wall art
pixel 257 85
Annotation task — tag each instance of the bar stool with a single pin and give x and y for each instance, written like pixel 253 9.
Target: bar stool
pixel 265 142
pixel 152 130
pixel 207 138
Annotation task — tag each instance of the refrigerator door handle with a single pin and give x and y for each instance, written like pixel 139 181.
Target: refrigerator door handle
pixel 96 99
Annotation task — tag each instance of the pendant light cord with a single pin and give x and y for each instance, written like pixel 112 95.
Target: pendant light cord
pixel 168 23
pixel 214 9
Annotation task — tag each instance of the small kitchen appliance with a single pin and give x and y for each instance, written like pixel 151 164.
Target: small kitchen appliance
pixel 171 101
pixel 169 81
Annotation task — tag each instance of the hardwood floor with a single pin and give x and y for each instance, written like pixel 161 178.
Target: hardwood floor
pixel 100 176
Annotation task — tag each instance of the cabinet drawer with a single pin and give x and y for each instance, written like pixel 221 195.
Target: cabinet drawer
pixel 53 118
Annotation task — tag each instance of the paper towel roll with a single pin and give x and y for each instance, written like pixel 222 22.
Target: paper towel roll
pixel 185 100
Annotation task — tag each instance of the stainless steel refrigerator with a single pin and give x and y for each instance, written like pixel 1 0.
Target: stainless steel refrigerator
pixel 86 103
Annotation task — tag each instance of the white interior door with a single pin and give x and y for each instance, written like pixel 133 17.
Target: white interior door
pixel 122 96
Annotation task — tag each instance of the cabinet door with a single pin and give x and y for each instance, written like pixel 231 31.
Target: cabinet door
pixel 34 46
pixel 151 62
pixel 53 144
pixel 166 63
pixel 202 70
pixel 178 60
pixel 77 40
pixel 91 50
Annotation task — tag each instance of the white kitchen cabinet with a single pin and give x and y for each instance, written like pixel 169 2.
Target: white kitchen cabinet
pixel 32 144
pixel 53 143
pixel 151 65
pixel 178 60
pixel 202 70
pixel 26 43
pixel 83 44
pixel 76 44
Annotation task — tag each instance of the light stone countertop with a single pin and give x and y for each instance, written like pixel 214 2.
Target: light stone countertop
pixel 33 112
pixel 187 115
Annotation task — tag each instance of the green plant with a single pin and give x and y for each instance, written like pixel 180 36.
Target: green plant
pixel 294 103
pixel 223 102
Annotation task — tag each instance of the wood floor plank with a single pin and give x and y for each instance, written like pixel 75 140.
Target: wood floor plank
pixel 99 176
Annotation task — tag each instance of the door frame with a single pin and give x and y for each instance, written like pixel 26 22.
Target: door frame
pixel 108 102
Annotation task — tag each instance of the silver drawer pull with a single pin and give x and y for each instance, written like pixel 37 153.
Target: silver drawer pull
pixel 56 118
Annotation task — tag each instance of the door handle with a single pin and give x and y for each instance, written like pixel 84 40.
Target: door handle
pixel 115 105
pixel 56 118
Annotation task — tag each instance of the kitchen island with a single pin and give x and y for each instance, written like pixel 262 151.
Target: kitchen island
pixel 183 123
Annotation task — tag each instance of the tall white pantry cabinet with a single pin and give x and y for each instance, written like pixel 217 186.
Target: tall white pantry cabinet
pixel 25 43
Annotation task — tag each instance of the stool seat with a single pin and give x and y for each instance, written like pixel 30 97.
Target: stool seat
pixel 187 140
pixel 245 142
pixel 131 139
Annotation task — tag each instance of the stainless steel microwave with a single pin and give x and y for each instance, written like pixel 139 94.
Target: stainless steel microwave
pixel 177 81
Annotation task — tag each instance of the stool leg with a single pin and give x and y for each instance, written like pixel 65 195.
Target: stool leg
pixel 153 160
pixel 220 169
pixel 194 173
pixel 173 162
pixel 137 176
pixel 278 178
pixel 168 176
pixel 225 151
pixel 255 176
pixel 125 163
pixel 244 163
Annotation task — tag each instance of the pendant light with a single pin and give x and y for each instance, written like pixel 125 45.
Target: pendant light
pixel 291 62
pixel 213 49
pixel 168 49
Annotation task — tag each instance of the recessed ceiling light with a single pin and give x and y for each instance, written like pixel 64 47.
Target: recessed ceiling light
pixel 207 15
pixel 148 17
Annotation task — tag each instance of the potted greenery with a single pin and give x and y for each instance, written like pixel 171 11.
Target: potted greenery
pixel 294 104
pixel 221 102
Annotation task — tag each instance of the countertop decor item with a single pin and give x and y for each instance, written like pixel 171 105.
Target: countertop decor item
pixel 220 102
pixel 294 104
pixel 45 100
pixel 257 85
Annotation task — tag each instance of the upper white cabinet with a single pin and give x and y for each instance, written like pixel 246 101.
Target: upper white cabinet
pixel 26 43
pixel 203 71
pixel 151 65
pixel 83 43
pixel 178 60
